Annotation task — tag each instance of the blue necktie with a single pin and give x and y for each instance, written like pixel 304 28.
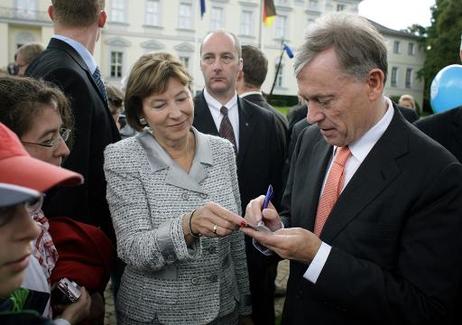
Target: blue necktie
pixel 99 83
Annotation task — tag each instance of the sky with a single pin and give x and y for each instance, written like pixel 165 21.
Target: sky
pixel 397 14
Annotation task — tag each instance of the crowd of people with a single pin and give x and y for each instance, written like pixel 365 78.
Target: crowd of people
pixel 365 205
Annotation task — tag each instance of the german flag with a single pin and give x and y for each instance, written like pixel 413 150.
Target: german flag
pixel 269 12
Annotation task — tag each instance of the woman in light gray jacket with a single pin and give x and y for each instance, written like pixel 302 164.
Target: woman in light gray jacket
pixel 174 199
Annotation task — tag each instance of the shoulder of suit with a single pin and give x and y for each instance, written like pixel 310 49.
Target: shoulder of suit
pixel 125 147
pixel 255 109
pixel 437 120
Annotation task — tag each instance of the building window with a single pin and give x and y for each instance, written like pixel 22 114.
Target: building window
pixel 246 22
pixel 279 79
pixel 408 78
pixel 394 76
pixel 281 26
pixel 116 64
pixel 313 5
pixel 185 16
pixel 411 48
pixel 216 18
pixel 152 13
pixel 118 11
pixel 185 61
pixel 396 46
pixel 282 2
pixel 340 7
pixel 26 8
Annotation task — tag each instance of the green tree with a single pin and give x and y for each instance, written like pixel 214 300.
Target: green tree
pixel 442 41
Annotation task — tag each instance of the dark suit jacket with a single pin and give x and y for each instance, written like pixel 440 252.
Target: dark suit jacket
pixel 394 231
pixel 409 114
pixel 94 129
pixel 259 163
pixel 281 120
pixel 295 114
pixel 445 128
pixel 261 148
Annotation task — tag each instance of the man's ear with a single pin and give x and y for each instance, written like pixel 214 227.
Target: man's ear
pixel 102 17
pixel 375 83
pixel 241 64
pixel 240 75
pixel 51 12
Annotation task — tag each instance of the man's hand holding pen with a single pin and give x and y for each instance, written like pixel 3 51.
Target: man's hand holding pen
pixel 290 243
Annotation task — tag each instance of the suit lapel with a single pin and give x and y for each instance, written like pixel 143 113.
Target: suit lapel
pixel 158 160
pixel 246 129
pixel 376 172
pixel 203 119
pixel 312 165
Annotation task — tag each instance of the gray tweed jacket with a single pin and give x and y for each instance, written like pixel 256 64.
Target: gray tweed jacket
pixel 165 281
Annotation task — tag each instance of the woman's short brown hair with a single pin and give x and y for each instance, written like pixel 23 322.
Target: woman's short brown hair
pixel 23 98
pixel 150 75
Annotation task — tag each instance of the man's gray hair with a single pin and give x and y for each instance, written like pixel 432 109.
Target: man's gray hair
pixel 358 45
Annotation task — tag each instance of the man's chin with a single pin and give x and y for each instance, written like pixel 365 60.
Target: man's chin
pixel 219 89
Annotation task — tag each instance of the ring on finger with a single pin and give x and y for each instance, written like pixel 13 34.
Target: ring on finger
pixel 215 227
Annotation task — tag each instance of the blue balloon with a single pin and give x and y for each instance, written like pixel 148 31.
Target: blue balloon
pixel 446 89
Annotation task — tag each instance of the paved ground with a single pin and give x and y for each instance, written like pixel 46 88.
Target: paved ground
pixel 281 280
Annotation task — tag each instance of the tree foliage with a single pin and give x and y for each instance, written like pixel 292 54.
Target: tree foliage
pixel 442 40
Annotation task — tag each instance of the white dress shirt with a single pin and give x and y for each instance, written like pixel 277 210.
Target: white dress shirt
pixel 233 113
pixel 359 151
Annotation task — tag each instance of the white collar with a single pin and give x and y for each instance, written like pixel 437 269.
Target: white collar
pixel 361 147
pixel 248 93
pixel 215 104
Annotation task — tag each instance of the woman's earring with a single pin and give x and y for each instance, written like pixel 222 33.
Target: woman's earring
pixel 143 121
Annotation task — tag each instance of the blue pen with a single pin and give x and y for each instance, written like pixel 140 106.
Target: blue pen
pixel 268 196
pixel 261 225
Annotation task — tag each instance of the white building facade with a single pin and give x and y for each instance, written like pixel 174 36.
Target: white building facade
pixel 135 27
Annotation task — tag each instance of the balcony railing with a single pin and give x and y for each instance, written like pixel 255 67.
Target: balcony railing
pixel 24 14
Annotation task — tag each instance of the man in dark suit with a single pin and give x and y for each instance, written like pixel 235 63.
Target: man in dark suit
pixel 373 207
pixel 250 79
pixel 259 145
pixel 445 128
pixel 68 62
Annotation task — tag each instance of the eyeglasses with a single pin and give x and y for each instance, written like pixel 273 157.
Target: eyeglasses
pixel 54 142
pixel 7 213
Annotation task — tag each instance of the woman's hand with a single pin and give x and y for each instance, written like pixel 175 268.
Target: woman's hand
pixel 212 220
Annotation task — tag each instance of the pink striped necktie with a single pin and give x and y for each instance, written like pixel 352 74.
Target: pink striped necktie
pixel 332 188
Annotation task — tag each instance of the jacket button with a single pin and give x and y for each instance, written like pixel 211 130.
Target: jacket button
pixel 212 250
pixel 185 196
pixel 203 195
pixel 195 281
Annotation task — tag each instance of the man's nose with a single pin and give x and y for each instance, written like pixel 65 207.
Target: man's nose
pixel 314 114
pixel 216 65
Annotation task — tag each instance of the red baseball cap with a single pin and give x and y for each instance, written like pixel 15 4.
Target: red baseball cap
pixel 19 168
